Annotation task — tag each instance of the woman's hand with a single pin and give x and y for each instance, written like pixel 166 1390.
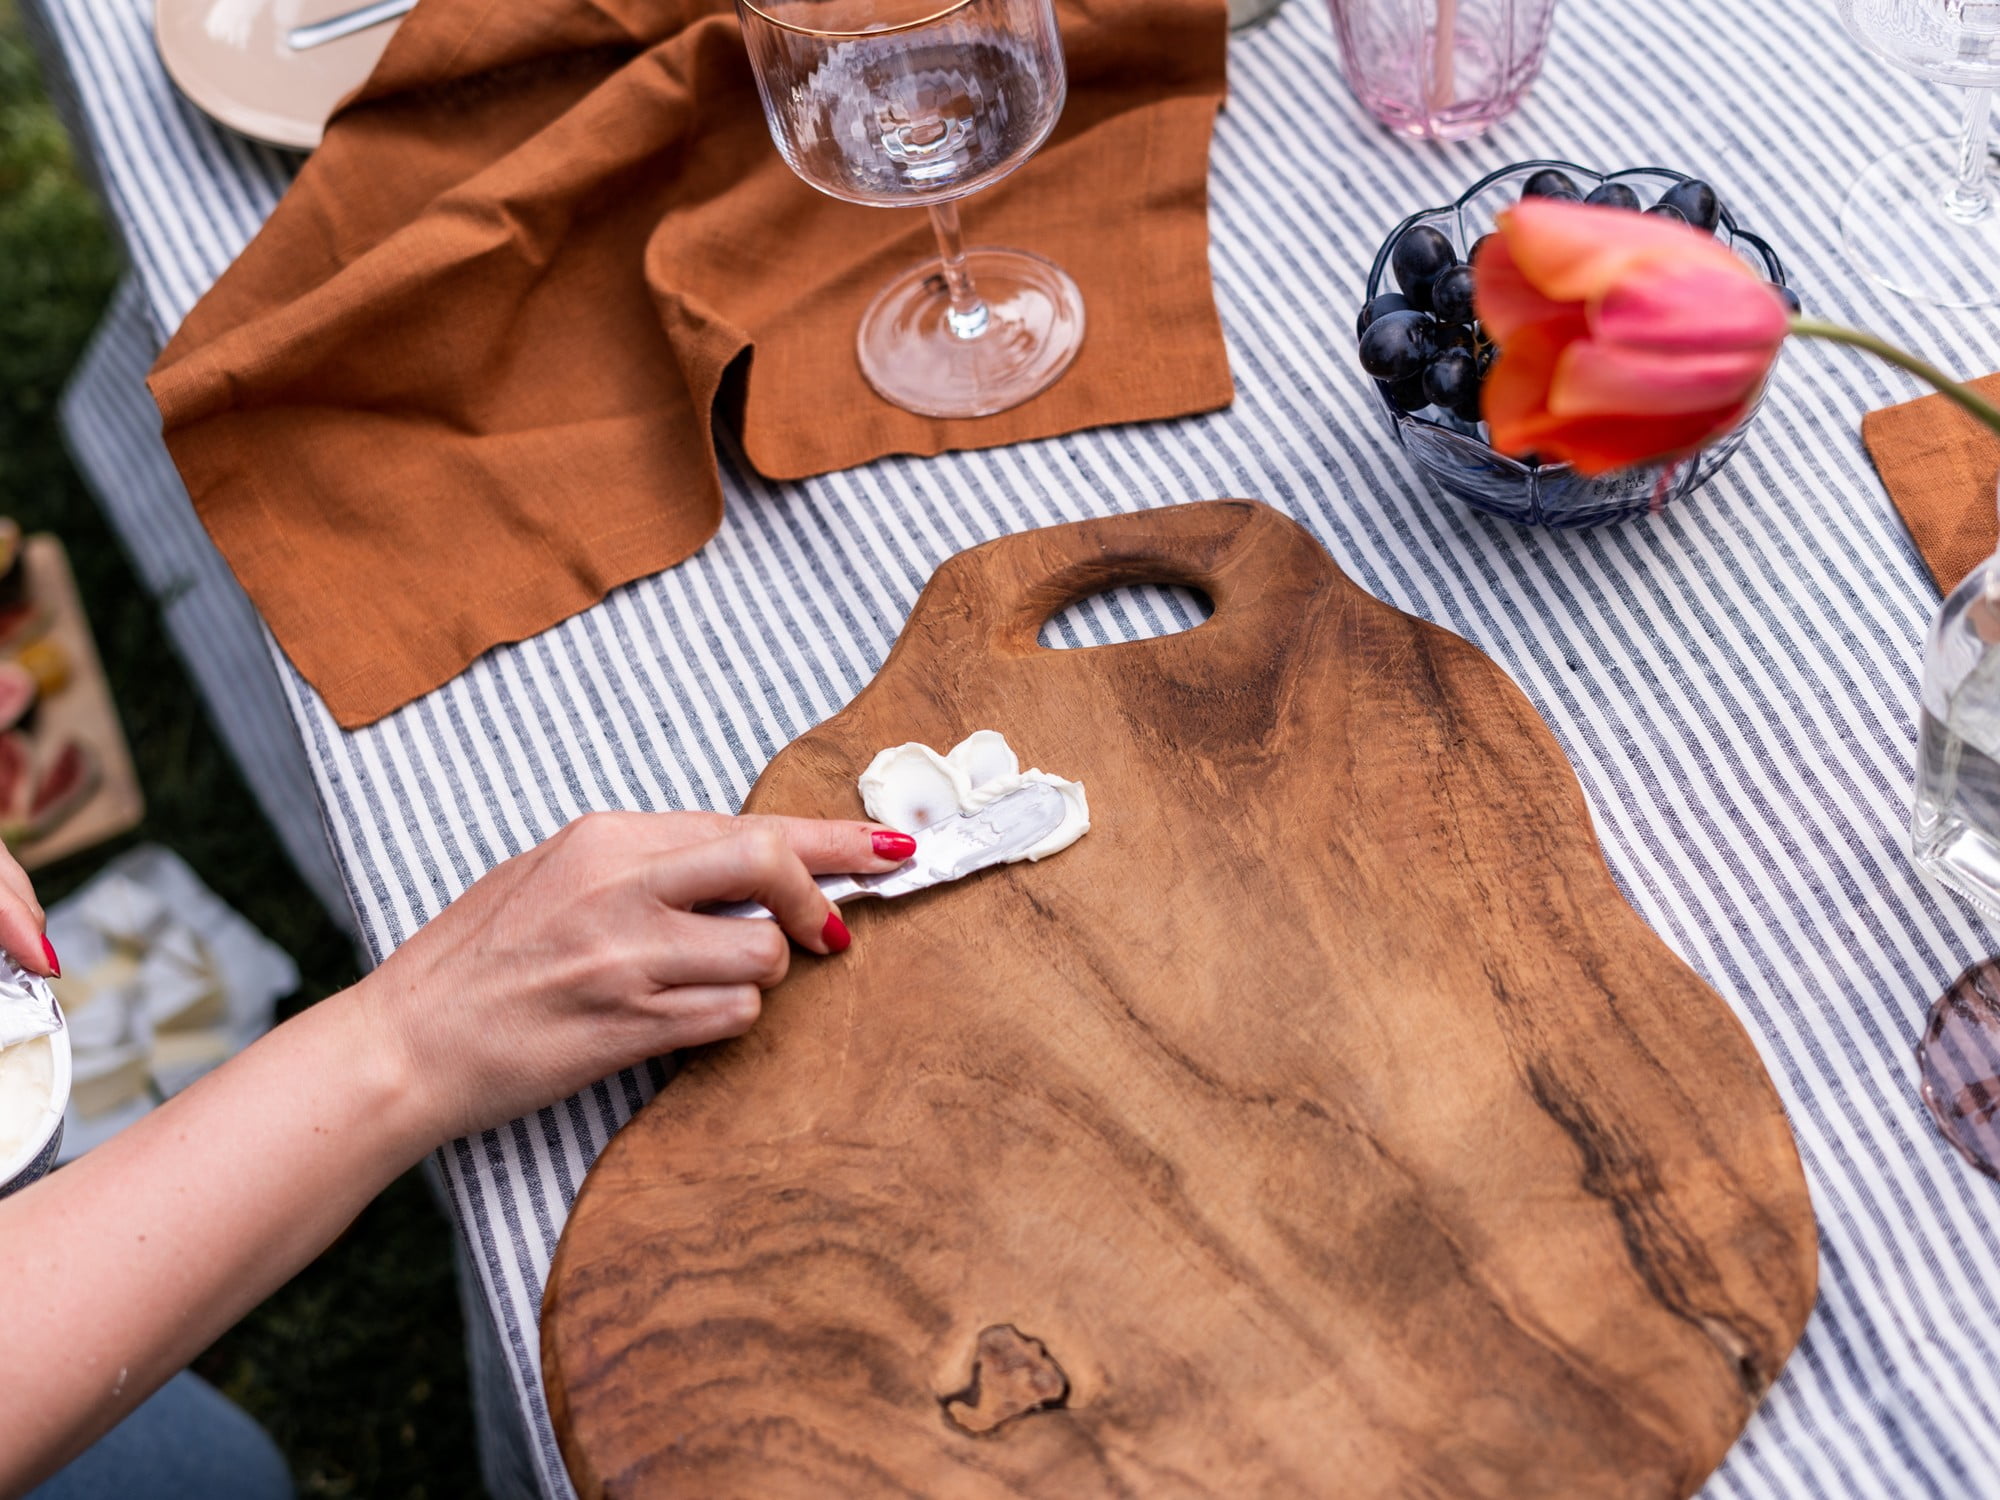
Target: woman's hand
pixel 584 955
pixel 567 963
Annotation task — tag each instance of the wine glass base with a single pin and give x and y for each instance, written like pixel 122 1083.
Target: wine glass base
pixel 1897 230
pixel 1034 326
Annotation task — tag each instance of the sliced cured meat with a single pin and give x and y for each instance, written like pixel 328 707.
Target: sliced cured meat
pixel 64 785
pixel 18 692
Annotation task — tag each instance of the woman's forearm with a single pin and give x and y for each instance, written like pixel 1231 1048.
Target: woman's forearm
pixel 123 1266
pixel 581 956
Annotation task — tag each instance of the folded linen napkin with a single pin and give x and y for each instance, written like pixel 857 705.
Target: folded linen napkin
pixel 1940 466
pixel 462 383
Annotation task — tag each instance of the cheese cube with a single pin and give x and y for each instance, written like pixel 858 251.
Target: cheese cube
pixel 180 945
pixel 99 1023
pixel 123 910
pixel 177 1000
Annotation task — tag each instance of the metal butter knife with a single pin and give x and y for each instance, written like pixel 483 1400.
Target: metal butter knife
pixel 947 850
pixel 333 28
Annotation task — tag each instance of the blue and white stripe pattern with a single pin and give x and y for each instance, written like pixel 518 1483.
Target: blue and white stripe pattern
pixel 114 430
pixel 1734 681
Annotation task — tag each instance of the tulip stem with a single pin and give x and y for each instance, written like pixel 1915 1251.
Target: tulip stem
pixel 1964 395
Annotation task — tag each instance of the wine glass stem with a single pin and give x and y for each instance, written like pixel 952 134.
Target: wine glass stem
pixel 967 318
pixel 1970 199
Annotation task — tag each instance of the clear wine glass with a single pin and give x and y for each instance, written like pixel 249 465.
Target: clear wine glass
pixel 898 102
pixel 1925 219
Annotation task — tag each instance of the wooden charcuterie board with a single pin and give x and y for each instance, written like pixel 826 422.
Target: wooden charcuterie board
pixel 1324 1123
pixel 82 710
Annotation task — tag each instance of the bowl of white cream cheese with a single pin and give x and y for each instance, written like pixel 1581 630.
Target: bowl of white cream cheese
pixel 34 1088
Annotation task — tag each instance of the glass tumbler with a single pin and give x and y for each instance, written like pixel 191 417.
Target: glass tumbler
pixel 1441 70
pixel 1955 826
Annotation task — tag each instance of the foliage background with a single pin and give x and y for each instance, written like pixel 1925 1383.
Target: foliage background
pixel 356 1367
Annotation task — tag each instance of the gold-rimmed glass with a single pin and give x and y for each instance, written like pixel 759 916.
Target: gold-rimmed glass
pixel 895 103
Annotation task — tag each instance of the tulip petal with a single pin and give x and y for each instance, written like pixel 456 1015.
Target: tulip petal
pixel 1692 308
pixel 1503 298
pixel 1576 252
pixel 1516 393
pixel 1623 339
pixel 1602 445
pixel 1593 378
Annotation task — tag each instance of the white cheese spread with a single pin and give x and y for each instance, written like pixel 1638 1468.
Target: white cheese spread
pixel 911 786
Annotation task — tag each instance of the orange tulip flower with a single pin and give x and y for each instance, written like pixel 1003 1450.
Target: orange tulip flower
pixel 1626 338
pixel 1623 338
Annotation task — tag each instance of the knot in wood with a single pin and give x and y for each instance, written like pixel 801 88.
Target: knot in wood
pixel 1012 1375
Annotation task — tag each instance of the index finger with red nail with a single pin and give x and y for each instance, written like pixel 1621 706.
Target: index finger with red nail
pixel 833 846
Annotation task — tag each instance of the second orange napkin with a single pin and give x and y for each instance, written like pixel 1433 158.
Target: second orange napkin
pixel 462 383
pixel 1939 467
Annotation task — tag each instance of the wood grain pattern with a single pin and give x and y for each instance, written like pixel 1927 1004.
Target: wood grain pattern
pixel 1324 1123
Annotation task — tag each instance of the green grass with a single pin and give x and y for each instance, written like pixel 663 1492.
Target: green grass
pixel 356 1366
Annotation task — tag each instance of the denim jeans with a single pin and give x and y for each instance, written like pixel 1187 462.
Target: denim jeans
pixel 186 1442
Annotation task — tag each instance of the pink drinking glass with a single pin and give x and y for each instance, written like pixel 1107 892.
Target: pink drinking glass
pixel 1441 70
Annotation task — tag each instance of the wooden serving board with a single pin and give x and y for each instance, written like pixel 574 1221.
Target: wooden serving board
pixel 1324 1123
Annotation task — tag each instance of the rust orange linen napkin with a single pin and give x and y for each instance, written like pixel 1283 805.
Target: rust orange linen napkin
pixel 1939 466
pixel 461 385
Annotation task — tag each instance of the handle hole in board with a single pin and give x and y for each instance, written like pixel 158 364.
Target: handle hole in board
pixel 1134 612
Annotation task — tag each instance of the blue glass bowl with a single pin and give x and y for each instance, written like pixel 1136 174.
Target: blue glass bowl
pixel 1454 455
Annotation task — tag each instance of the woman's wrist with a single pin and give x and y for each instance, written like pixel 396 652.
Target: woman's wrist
pixel 361 1041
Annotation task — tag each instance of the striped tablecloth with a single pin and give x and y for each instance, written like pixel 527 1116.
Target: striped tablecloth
pixel 1734 681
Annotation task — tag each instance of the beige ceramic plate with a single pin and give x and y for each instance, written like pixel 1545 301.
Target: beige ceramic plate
pixel 231 58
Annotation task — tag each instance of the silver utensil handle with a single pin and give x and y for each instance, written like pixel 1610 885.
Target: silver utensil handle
pixel 333 28
pixel 838 888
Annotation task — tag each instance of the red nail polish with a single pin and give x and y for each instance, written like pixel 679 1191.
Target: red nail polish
pixel 55 964
pixel 835 934
pixel 894 846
